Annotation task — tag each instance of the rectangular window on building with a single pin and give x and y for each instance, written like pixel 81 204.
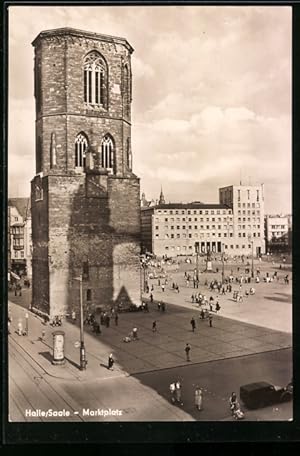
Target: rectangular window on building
pixel 243 246
pixel 16 254
pixel 213 219
pixel 178 236
pixel 218 212
pixel 237 246
pixel 195 219
pixel 178 227
pixel 157 227
pixel 201 227
pixel 190 219
pixel 240 234
pixel 190 235
pixel 172 227
pixel 195 227
pixel 207 227
pixel 183 227
pixel 182 212
pixel 244 234
pixel 231 235
pixel 166 219
pixel 88 294
pixel 219 234
pixel 22 254
pixel 239 212
pixel 244 204
pixel 225 234
pixel 254 234
pixel 248 205
pixel 188 212
pixel 171 212
pixel 257 195
pixel 85 270
pixel 258 234
pixel 190 227
pixel 157 236
pixel 231 246
pixel 239 195
pixel 183 219
pixel 258 227
pixel 195 212
pixel 253 204
pixel 176 212
pixel 172 219
pixel 166 247
pixel 206 212
pixel 172 236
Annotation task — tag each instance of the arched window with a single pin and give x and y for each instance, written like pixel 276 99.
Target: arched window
pixel 128 154
pixel 95 79
pixel 107 153
pixel 81 145
pixel 126 91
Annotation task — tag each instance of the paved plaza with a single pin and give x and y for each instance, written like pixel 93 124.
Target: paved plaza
pixel 160 355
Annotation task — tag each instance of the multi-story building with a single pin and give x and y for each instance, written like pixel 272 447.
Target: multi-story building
pixel 20 242
pixel 247 204
pixel 173 229
pixel 277 232
pixel 234 226
pixel 85 197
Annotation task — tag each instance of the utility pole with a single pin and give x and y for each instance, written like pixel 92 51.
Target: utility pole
pixel 83 361
pixel 223 265
pixel 197 261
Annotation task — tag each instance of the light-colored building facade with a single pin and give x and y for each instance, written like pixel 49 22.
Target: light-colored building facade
pixel 20 241
pixel 173 229
pixel 234 226
pixel 277 231
pixel 247 204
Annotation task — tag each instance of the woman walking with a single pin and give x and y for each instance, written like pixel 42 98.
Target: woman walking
pixel 199 398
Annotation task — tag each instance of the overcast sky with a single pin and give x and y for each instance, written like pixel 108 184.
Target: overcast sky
pixel 211 95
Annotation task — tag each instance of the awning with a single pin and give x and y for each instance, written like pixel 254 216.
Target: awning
pixel 15 276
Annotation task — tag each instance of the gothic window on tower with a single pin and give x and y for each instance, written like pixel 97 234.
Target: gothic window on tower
pixel 81 145
pixel 108 153
pixel 126 91
pixel 95 80
pixel 128 154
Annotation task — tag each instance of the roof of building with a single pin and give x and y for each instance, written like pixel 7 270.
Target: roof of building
pixel 193 205
pixel 84 34
pixel 22 205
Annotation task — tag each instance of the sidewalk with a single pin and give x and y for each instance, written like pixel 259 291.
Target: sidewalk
pixel 153 351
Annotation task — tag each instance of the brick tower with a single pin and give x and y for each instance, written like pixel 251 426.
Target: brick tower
pixel 84 196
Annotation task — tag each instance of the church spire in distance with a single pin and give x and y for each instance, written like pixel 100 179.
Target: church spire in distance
pixel 161 197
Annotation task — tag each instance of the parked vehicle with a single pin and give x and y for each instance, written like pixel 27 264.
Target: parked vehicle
pixel 261 394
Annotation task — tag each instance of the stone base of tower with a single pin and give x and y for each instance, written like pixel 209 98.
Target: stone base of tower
pixel 90 229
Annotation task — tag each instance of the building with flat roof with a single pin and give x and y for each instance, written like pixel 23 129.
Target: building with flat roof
pixel 233 226
pixel 277 232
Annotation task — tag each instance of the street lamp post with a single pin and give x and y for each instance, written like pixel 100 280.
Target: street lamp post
pixel 223 265
pixel 252 259
pixel 197 261
pixel 83 361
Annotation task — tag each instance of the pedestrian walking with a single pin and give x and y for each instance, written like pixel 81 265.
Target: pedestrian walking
pixel 73 316
pixel 154 327
pixel 178 392
pixel 107 320
pixel 116 319
pixel 135 333
pixel 172 391
pixel 193 324
pixel 163 306
pixel 187 352
pixel 163 287
pixel 151 297
pixel 158 305
pixel 193 298
pixel 210 318
pixel 111 362
pixel 199 398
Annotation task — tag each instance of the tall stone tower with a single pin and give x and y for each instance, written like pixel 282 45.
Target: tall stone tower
pixel 84 196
